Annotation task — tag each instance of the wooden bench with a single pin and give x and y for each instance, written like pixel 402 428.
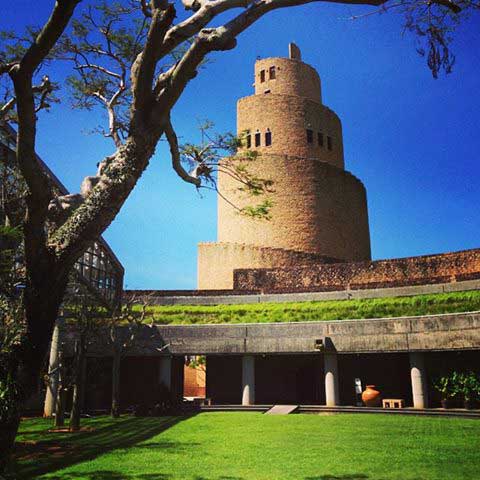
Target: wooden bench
pixel 393 403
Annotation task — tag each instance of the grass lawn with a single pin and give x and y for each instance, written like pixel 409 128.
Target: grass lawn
pixel 314 311
pixel 252 446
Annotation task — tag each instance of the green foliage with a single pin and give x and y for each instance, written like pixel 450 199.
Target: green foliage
pixel 462 384
pixel 12 333
pixel 260 211
pixel 468 385
pixel 219 153
pixel 447 385
pixel 317 311
pixel 197 362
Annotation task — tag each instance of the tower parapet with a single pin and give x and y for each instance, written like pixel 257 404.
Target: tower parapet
pixel 319 209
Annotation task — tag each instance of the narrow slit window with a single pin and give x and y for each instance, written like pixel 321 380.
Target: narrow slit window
pixel 267 91
pixel 249 140
pixel 309 136
pixel 257 138
pixel 320 139
pixel 330 143
pixel 262 76
pixel 272 73
pixel 268 138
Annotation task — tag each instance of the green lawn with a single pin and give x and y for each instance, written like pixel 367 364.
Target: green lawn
pixel 252 446
pixel 314 311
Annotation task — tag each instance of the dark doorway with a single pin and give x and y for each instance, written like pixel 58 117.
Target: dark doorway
pixel 390 372
pixel 290 379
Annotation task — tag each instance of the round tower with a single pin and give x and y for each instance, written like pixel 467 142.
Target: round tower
pixel 319 210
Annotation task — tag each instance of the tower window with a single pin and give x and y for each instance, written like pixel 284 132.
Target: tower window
pixel 268 138
pixel 330 143
pixel 257 138
pixel 272 73
pixel 266 91
pixel 249 140
pixel 320 139
pixel 262 76
pixel 309 136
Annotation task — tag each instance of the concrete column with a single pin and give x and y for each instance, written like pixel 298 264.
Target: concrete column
pixel 331 380
pixel 165 372
pixel 419 380
pixel 248 380
pixel 55 346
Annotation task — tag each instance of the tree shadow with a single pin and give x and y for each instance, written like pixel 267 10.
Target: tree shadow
pixel 47 456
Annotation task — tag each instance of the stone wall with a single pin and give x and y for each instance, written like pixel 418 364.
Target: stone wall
pixel 288 118
pixel 292 77
pixel 317 208
pixel 217 261
pixel 428 269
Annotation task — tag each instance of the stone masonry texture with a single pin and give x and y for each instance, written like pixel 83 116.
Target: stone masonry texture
pixel 428 269
pixel 319 210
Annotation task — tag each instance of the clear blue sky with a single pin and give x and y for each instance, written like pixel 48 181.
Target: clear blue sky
pixel 413 141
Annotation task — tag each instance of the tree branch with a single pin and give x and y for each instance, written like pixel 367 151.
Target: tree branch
pixel 143 69
pixel 176 161
pixel 49 35
pixel 100 69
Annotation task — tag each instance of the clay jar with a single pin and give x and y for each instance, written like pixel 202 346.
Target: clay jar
pixel 371 397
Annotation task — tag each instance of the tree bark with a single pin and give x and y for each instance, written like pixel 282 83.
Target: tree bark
pixel 78 383
pixel 9 411
pixel 8 432
pixel 116 383
pixel 42 301
pixel 43 296
pixel 61 394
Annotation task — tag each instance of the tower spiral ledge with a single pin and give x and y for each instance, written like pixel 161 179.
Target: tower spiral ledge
pixel 319 210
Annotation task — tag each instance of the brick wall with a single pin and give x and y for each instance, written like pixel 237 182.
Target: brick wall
pixel 216 261
pixel 288 118
pixel 428 269
pixel 292 77
pixel 317 208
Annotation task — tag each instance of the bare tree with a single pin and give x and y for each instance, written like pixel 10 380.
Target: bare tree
pixel 123 329
pixel 133 58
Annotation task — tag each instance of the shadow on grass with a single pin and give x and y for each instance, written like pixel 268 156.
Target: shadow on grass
pixel 48 456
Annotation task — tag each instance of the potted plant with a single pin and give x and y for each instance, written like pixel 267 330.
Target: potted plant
pixel 469 388
pixel 447 385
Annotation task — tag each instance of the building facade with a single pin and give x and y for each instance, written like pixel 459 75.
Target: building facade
pixel 319 212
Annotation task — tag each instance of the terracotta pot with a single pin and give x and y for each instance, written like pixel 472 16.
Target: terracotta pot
pixel 371 397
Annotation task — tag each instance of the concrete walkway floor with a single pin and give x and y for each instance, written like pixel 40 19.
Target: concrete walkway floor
pixel 450 412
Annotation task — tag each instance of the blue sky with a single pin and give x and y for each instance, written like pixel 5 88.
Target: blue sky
pixel 413 141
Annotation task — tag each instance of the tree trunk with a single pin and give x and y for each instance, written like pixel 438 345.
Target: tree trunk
pixel 77 385
pixel 9 411
pixel 116 383
pixel 52 380
pixel 42 302
pixel 8 432
pixel 61 394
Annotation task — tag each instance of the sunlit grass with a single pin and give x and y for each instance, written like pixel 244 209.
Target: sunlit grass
pixel 315 311
pixel 252 446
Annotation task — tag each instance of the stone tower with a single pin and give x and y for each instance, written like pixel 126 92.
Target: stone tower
pixel 319 211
